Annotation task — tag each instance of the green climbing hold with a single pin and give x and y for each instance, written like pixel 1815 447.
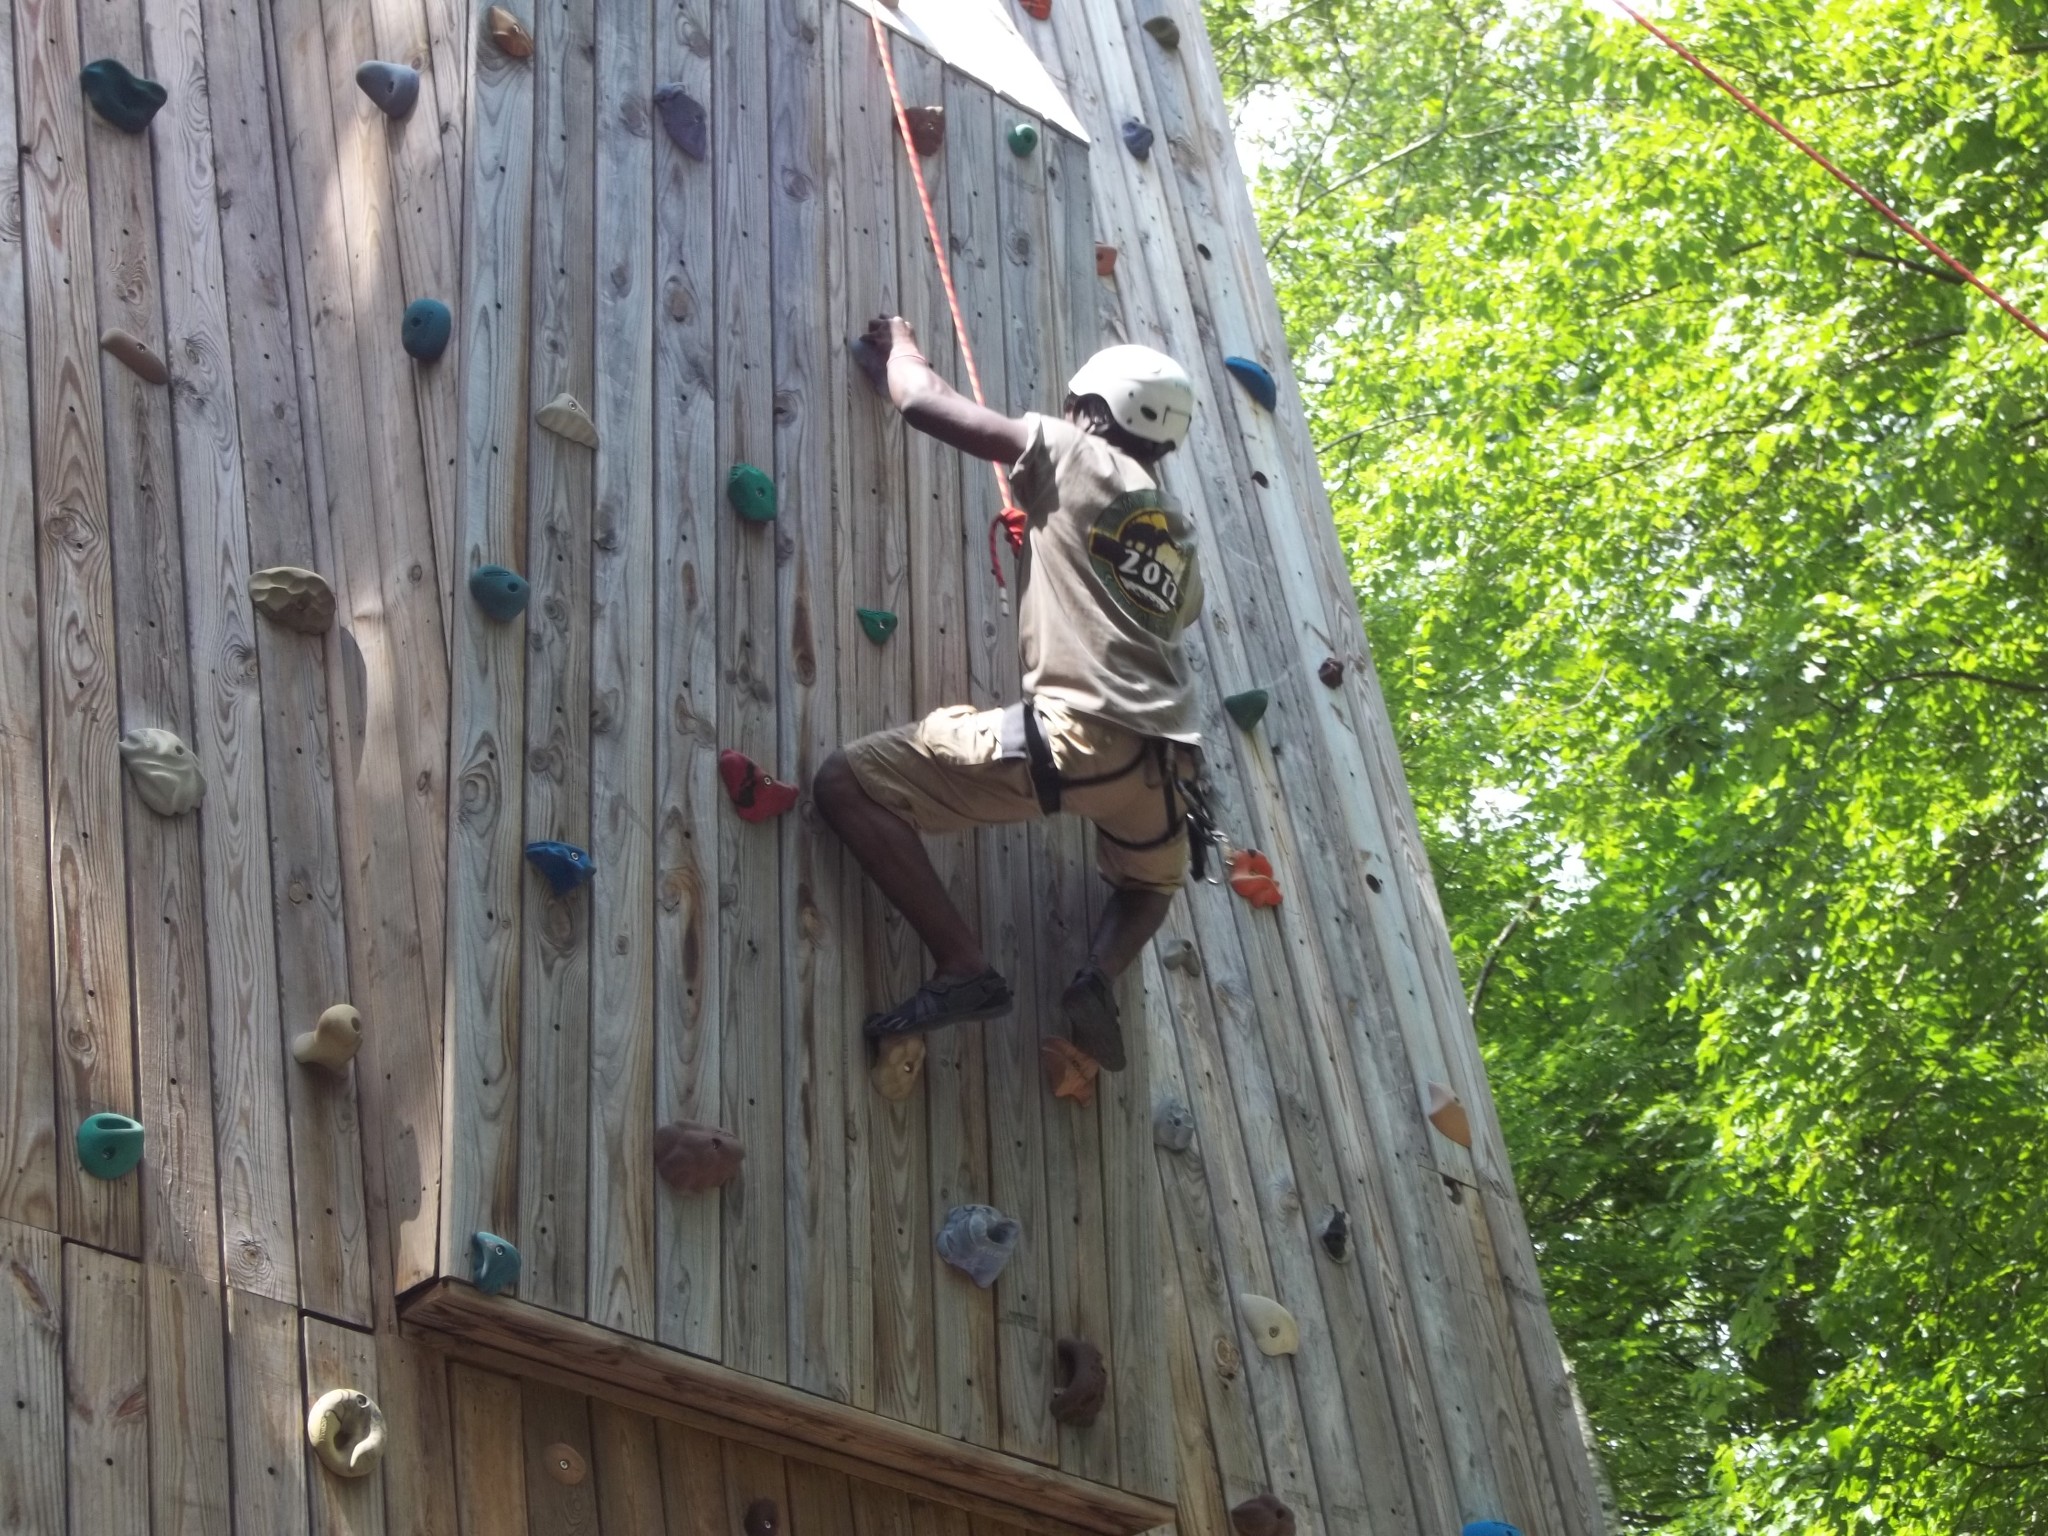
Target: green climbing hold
pixel 751 493
pixel 123 98
pixel 1023 139
pixel 1247 708
pixel 878 622
pixel 109 1145
pixel 502 594
pixel 493 1262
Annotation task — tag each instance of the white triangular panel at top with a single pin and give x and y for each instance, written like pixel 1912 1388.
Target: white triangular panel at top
pixel 978 38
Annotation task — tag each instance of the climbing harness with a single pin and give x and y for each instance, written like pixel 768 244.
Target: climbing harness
pixel 1011 521
pixel 1821 160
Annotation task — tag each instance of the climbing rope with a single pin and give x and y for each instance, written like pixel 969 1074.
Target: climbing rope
pixel 1010 521
pixel 1830 167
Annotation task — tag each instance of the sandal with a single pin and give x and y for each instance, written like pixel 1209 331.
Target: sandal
pixel 937 1004
pixel 1089 1005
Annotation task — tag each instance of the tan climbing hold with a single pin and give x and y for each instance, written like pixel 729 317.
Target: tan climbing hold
pixel 512 38
pixel 333 1041
pixel 897 1068
pixel 347 1433
pixel 1070 1072
pixel 566 1464
pixel 565 418
pixel 165 772
pixel 1273 1327
pixel 132 353
pixel 1447 1114
pixel 294 597
pixel 695 1159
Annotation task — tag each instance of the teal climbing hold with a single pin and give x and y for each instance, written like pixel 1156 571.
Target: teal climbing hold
pixel 751 493
pixel 428 325
pixel 493 1263
pixel 109 1145
pixel 1257 382
pixel 394 87
pixel 502 594
pixel 1023 139
pixel 122 97
pixel 1490 1528
pixel 563 865
pixel 1247 708
pixel 878 622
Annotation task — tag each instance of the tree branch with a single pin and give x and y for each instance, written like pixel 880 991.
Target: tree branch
pixel 1955 675
pixel 1493 954
pixel 1907 264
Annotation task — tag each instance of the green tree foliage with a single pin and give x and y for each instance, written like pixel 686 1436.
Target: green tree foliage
pixel 1696 516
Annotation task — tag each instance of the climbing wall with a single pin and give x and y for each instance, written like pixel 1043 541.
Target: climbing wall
pixel 404 613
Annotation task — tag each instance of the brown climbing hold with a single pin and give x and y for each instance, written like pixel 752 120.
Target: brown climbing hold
pixel 333 1041
pixel 927 129
pixel 763 1518
pixel 564 417
pixel 1251 876
pixel 296 598
pixel 1165 31
pixel 1263 1516
pixel 1447 1114
pixel 897 1067
pixel 132 353
pixel 694 1158
pixel 512 38
pixel 1331 672
pixel 1083 1383
pixel 566 1464
pixel 1070 1072
pixel 1105 261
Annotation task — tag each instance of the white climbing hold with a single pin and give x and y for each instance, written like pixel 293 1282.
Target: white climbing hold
pixel 347 1433
pixel 165 772
pixel 333 1041
pixel 295 597
pixel 565 418
pixel 1273 1327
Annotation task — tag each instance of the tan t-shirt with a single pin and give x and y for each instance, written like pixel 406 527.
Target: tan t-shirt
pixel 1110 580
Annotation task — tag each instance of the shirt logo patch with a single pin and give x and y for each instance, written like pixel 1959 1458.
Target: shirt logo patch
pixel 1135 556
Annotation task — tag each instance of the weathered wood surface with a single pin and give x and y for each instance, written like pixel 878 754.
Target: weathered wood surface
pixel 32 1466
pixel 106 1392
pixel 267 1415
pixel 342 1358
pixel 189 1469
pixel 490 1452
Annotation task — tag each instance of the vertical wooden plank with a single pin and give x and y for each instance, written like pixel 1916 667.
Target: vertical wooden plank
pixel 188 1417
pixel 32 1459
pixel 88 867
pixel 751 1474
pixel 879 1511
pixel 28 1088
pixel 555 1185
pixel 692 1481
pixel 342 1358
pixel 106 1388
pixel 622 1290
pixel 627 1470
pixel 554 1418
pixel 266 1415
pixel 419 1487
pixel 750 927
pixel 689 960
pixel 490 1454
pixel 810 377
pixel 820 1501
pixel 486 879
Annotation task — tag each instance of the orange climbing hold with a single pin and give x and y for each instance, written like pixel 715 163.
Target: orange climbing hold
pixel 1070 1072
pixel 755 795
pixel 1251 876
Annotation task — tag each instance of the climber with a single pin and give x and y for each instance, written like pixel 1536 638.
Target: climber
pixel 1109 580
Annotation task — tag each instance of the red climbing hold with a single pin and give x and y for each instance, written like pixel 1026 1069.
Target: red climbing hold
pixel 755 795
pixel 1037 10
pixel 1251 876
pixel 695 1158
pixel 1105 261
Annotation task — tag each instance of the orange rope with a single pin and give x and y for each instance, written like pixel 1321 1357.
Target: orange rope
pixel 1010 520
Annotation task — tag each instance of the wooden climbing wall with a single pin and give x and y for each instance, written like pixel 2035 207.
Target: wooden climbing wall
pixel 370 791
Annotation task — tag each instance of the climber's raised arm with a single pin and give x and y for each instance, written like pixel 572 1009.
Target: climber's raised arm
pixel 890 357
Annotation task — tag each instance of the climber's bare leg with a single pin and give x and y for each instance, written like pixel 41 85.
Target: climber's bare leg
pixel 1129 919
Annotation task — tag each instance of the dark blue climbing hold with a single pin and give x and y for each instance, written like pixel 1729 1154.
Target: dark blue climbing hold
pixel 684 117
pixel 428 325
pixel 109 1145
pixel 1138 139
pixel 493 1263
pixel 1490 1528
pixel 502 594
pixel 1257 382
pixel 123 98
pixel 394 87
pixel 563 865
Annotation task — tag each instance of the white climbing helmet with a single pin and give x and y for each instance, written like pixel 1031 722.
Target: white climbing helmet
pixel 1149 394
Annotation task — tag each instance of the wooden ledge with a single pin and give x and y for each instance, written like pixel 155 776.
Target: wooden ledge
pixel 526 1340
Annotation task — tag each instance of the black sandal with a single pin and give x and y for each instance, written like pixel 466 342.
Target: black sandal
pixel 1089 1005
pixel 937 1004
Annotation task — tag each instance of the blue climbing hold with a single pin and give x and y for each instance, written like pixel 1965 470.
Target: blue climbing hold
pixel 109 1145
pixel 1137 139
pixel 493 1263
pixel 1490 1528
pixel 685 119
pixel 428 325
pixel 1257 382
pixel 122 97
pixel 502 594
pixel 563 865
pixel 394 87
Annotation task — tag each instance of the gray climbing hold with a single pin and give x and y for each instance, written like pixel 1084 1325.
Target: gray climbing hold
pixel 394 87
pixel 165 773
pixel 493 1263
pixel 1173 1126
pixel 564 417
pixel 684 117
pixel 978 1240
pixel 293 597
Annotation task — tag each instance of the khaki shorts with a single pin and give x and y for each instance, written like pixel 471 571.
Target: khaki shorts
pixel 947 772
